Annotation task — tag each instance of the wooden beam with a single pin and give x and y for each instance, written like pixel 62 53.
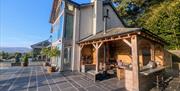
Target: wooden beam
pixel 127 42
pixel 106 40
pixel 97 61
pixel 152 52
pixel 94 44
pixel 80 54
pixel 100 45
pixel 81 46
pixel 135 63
pixel 97 46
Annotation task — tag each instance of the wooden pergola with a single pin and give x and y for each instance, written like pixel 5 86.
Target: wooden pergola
pixel 131 37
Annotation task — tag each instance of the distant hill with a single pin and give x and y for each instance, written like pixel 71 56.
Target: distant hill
pixel 15 49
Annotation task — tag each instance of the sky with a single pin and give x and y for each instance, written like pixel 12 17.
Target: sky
pixel 25 22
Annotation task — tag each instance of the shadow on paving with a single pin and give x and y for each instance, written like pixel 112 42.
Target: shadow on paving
pixel 76 80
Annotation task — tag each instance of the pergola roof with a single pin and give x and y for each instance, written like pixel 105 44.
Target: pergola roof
pixel 118 33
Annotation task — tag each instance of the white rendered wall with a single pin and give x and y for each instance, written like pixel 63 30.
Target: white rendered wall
pixel 75 46
pixel 86 24
pixel 113 21
pixel 98 6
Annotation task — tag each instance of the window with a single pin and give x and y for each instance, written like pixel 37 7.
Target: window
pixel 55 31
pixel 61 26
pixel 61 7
pixel 68 33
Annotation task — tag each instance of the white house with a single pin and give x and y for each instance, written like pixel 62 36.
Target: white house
pixel 93 39
pixel 72 22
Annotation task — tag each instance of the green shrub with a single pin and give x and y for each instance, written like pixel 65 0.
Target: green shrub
pixel 25 59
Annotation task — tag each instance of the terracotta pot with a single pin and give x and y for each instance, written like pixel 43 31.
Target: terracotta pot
pixel 45 64
pixel 53 69
pixel 24 64
pixel 49 69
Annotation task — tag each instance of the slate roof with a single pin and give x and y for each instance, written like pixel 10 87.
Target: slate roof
pixel 120 31
pixel 111 32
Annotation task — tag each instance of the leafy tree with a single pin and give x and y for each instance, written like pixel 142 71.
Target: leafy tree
pixel 5 55
pixel 0 56
pixel 25 58
pixel 158 16
pixel 17 56
pixel 50 52
pixel 30 54
pixel 54 52
pixel 164 20
pixel 45 52
pixel 130 10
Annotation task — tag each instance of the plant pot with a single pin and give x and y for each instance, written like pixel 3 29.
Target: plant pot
pixel 24 64
pixel 53 69
pixel 49 69
pixel 45 64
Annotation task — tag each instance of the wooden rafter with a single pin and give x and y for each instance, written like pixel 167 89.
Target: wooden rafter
pixel 105 40
pixel 97 45
pixel 127 42
pixel 151 38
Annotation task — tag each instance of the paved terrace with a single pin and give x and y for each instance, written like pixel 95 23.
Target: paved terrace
pixel 35 78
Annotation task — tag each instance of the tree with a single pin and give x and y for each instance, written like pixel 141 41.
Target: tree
pixel 159 16
pixel 5 55
pixel 164 20
pixel 45 52
pixel 53 52
pixel 17 57
pixel 130 10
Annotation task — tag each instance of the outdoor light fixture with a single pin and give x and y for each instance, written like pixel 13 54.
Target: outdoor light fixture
pixel 70 7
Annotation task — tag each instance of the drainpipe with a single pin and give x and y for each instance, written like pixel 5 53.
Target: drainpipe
pixel 105 20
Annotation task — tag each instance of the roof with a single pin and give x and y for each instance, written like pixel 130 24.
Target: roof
pixel 55 5
pixel 53 11
pixel 41 44
pixel 120 31
pixel 111 32
pixel 107 2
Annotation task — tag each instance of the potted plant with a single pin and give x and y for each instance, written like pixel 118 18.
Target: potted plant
pixel 45 52
pixel 25 61
pixel 54 52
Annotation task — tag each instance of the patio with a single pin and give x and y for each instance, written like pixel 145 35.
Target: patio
pixel 35 78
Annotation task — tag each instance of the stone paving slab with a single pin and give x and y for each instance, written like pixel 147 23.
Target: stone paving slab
pixel 35 78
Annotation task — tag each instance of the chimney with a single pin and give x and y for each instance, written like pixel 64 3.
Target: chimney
pixel 106 15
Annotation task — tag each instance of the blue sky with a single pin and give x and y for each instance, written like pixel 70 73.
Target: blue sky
pixel 25 22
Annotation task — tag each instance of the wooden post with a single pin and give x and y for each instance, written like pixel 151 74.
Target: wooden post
pixel 97 61
pixel 163 56
pixel 152 52
pixel 135 63
pixel 80 54
pixel 97 46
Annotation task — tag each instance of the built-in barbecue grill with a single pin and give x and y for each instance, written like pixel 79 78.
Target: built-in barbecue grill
pixel 150 65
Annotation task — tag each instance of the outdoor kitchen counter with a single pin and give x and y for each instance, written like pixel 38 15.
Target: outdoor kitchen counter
pixel 152 70
pixel 128 79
